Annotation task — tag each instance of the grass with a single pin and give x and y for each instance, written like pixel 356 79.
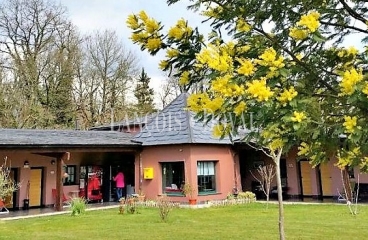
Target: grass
pixel 250 221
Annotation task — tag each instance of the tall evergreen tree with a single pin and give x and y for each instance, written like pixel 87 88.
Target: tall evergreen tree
pixel 144 94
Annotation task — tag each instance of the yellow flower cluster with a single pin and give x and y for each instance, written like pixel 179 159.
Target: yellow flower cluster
pixel 246 67
pixel 298 34
pixel 132 22
pixel 197 101
pixel 287 95
pixel 148 35
pixel 349 80
pixel 223 86
pixel 178 31
pixel 269 58
pixel 310 21
pixel 304 149
pixel 242 26
pixel 153 44
pixel 220 130
pixel 201 102
pixel 259 90
pixel 365 89
pixel 184 78
pixel 346 158
pixel 163 64
pixel 350 124
pixel 240 108
pixel 171 52
pixel 213 105
pixel 298 116
pixel 212 12
pixel 307 24
pixel 276 144
pixel 346 52
pixel 214 58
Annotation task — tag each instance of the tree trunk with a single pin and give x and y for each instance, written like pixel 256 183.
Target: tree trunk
pixel 279 196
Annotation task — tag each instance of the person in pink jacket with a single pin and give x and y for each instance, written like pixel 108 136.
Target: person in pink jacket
pixel 120 184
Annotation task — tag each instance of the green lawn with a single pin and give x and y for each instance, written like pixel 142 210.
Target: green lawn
pixel 250 221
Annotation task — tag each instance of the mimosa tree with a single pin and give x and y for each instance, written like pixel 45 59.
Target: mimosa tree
pixel 280 69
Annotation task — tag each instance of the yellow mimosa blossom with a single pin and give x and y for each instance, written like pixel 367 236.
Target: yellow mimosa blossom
pixel 218 130
pixel 246 67
pixel 153 44
pixel 243 49
pixel 212 12
pixel 352 51
pixel 132 22
pixel 349 80
pixel 211 106
pixel 259 90
pixel 178 31
pixel 298 116
pixel 275 144
pixel 365 89
pixel 240 108
pixel 303 149
pixel 139 37
pixel 364 163
pixel 299 56
pixel 242 26
pixel 350 124
pixel 269 58
pixel 287 95
pixel 171 52
pixel 151 25
pixel 214 58
pixel 143 15
pixel 196 101
pixel 184 78
pixel 310 21
pixel 345 159
pixel 298 34
pixel 163 64
pixel 220 84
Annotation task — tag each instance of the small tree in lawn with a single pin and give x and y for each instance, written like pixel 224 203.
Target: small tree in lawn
pixel 7 184
pixel 266 174
pixel 283 74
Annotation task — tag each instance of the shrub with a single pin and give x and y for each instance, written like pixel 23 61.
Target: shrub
pixel 78 206
pixel 247 195
pixel 164 206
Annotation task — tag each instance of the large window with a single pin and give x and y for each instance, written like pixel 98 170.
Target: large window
pixel 70 170
pixel 172 177
pixel 206 177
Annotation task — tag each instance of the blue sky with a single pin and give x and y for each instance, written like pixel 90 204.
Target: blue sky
pixel 90 15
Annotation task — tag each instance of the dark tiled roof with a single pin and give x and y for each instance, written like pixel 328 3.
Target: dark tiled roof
pixel 64 138
pixel 135 121
pixel 176 125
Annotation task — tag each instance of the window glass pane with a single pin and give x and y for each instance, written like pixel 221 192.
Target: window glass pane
pixel 206 176
pixel 172 177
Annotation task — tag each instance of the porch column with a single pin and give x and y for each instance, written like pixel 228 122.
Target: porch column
pixel 59 185
pixel 59 180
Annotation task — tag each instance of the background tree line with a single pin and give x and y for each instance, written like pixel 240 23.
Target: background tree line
pixel 51 76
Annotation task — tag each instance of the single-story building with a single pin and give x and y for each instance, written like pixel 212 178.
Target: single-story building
pixel 157 155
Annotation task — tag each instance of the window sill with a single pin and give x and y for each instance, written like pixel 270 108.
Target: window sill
pixel 208 193
pixel 170 194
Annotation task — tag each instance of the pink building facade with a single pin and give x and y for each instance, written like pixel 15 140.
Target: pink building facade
pixel 157 156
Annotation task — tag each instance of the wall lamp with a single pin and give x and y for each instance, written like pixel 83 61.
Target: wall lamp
pixel 26 164
pixel 53 162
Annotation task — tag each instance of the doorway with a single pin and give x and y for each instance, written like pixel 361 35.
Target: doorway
pixel 306 178
pixel 326 180
pixel 12 200
pixel 35 187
